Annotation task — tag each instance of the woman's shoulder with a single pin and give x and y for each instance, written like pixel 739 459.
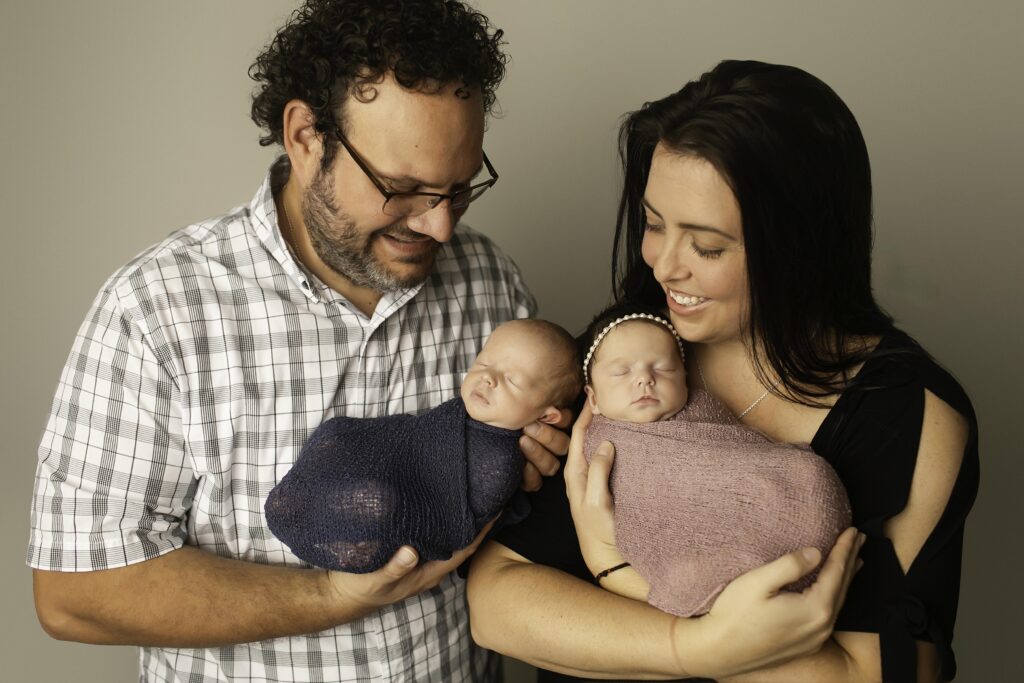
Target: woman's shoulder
pixel 899 363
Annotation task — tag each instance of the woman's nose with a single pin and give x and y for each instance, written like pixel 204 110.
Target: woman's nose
pixel 669 263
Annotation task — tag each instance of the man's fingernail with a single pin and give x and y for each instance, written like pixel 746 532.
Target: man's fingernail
pixel 811 554
pixel 406 557
pixel 525 444
pixel 605 448
pixel 532 429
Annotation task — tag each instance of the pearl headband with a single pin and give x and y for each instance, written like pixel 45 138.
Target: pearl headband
pixel 618 321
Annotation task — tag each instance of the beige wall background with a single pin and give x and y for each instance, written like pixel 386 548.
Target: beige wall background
pixel 122 121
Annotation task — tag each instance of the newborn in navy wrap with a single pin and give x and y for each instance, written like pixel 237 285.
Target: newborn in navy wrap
pixel 363 488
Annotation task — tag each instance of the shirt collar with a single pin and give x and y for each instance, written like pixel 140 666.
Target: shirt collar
pixel 268 229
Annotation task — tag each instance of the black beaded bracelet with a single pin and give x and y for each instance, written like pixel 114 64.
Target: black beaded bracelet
pixel 606 572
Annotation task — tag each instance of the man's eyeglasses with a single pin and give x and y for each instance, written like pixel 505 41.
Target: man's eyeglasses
pixel 408 204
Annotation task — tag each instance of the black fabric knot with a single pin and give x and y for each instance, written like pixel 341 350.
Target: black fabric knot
pixel 910 613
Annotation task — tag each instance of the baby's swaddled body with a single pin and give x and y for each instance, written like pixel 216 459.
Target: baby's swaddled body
pixel 362 488
pixel 701 499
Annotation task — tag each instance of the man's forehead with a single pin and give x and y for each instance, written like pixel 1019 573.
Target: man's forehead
pixel 386 102
pixel 425 138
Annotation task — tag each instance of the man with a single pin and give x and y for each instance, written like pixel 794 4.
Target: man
pixel 344 288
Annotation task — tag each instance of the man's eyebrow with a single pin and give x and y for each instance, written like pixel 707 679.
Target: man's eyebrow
pixel 419 182
pixel 691 226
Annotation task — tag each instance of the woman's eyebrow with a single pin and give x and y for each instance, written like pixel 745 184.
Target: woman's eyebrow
pixel 691 226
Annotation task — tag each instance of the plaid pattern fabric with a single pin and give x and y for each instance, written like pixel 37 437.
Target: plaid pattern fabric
pixel 199 372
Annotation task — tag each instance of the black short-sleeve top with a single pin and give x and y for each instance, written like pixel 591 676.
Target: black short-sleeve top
pixel 871 437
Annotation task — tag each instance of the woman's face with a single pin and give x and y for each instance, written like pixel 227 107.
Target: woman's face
pixel 694 244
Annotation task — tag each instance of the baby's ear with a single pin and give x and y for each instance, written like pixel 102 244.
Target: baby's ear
pixel 551 416
pixel 592 400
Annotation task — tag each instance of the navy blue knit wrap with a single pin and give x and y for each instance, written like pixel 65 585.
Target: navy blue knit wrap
pixel 362 488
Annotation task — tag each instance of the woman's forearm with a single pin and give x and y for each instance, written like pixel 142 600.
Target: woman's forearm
pixel 637 638
pixel 556 621
pixel 555 627
pixel 831 664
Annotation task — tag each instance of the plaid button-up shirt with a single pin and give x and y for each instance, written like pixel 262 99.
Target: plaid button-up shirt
pixel 199 372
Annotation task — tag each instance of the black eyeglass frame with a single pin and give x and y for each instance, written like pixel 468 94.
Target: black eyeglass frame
pixel 471 193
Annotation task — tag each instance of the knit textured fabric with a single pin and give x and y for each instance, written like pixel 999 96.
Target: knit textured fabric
pixel 701 499
pixel 363 487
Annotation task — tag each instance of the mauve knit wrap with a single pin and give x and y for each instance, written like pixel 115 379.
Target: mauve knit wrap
pixel 701 499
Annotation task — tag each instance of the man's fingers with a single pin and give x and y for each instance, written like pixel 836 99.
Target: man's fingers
pixel 482 535
pixel 532 478
pixel 539 456
pixel 401 563
pixel 438 568
pixel 551 439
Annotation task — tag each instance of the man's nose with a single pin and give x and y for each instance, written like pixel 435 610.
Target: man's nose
pixel 438 222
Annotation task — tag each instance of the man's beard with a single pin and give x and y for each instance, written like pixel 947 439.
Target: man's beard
pixel 348 252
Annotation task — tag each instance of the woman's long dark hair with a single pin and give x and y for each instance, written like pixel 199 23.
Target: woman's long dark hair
pixel 796 161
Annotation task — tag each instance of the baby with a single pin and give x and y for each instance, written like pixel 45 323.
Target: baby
pixel 363 487
pixel 699 498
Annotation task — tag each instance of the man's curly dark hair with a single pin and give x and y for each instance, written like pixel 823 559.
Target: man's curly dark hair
pixel 329 48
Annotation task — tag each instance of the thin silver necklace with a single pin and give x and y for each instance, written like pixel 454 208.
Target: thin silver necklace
pixel 753 405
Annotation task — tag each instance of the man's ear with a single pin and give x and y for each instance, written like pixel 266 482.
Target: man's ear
pixel 302 143
pixel 592 399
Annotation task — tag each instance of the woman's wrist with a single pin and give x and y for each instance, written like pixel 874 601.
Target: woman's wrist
pixel 625 580
pixel 605 572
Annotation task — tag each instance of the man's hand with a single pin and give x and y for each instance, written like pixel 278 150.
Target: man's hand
pixel 400 578
pixel 540 444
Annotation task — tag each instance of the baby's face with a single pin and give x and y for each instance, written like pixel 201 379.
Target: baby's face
pixel 509 384
pixel 637 374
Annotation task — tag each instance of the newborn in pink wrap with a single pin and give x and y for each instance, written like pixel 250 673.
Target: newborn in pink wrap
pixel 699 498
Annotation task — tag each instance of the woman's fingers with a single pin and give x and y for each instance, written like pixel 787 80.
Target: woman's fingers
pixel 837 570
pixel 576 465
pixel 851 565
pixel 600 470
pixel 770 578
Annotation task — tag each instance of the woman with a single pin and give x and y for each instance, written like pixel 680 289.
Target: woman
pixel 746 215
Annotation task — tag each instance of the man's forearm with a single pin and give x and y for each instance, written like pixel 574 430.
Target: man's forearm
pixel 188 598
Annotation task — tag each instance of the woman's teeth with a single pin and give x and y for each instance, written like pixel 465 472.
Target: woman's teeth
pixel 683 300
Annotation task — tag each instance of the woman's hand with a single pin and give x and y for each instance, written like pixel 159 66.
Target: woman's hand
pixel 590 500
pixel 765 625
